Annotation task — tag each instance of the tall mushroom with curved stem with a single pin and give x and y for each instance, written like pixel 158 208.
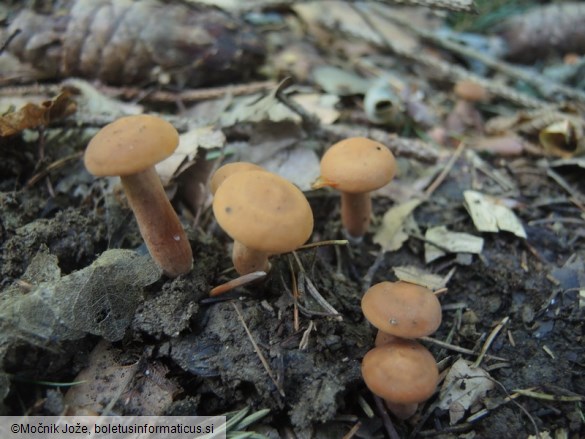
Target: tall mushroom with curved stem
pixel 130 147
pixel 356 167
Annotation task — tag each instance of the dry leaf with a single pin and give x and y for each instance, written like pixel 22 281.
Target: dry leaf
pixel 258 108
pixel 106 380
pixel 336 81
pixel 34 115
pixel 391 235
pixel 300 166
pixel 464 389
pixel 321 105
pixel 184 156
pixel 419 276
pixel 489 215
pixel 453 242
pixel 99 299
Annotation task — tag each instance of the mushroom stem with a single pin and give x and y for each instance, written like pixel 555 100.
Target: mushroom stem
pixel 356 210
pixel 247 260
pixel 158 223
pixel 400 410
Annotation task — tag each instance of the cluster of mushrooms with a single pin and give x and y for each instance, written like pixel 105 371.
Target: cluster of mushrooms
pixel 399 369
pixel 267 215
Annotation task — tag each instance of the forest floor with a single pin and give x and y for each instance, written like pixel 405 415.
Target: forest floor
pixel 88 324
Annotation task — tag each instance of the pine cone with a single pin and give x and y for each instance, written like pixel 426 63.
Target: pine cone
pixel 129 42
pixel 547 30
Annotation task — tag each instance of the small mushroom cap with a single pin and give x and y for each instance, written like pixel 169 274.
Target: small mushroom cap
pixel 470 91
pixel 357 165
pixel 402 309
pixel 401 371
pixel 130 145
pixel 226 170
pixel 263 211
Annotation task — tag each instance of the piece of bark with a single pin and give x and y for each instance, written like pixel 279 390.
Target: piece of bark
pixel 128 42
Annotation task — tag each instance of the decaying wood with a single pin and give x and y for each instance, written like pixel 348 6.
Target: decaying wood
pixel 128 42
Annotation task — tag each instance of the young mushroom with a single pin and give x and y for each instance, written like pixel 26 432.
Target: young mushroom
pixel 402 309
pixel 402 372
pixel 129 148
pixel 356 167
pixel 264 214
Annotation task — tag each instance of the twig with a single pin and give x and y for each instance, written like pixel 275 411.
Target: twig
pixel 51 167
pixel 237 282
pixel 458 348
pixel 388 425
pixel 490 340
pixel 448 166
pixel 323 243
pixel 9 39
pixel 257 350
pixel 188 96
pixel 352 432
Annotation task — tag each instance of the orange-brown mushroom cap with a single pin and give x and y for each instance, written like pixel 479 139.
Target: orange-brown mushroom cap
pixel 130 145
pixel 402 371
pixel 357 165
pixel 229 169
pixel 402 309
pixel 263 211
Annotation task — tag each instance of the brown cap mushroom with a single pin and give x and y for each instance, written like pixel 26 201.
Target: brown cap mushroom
pixel 356 166
pixel 401 372
pixel 228 169
pixel 264 214
pixel 129 148
pixel 402 309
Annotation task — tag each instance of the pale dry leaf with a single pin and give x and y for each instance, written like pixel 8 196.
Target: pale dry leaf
pixel 92 103
pixel 106 380
pixel 489 215
pixel 257 108
pixel 340 82
pixel 103 380
pixel 391 235
pixel 454 242
pixel 464 389
pixel 321 105
pixel 419 276
pixel 206 137
pixel 300 166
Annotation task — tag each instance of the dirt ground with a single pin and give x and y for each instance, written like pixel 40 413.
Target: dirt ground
pixel 145 344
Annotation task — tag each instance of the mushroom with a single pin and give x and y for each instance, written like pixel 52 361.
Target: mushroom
pixel 264 214
pixel 356 166
pixel 402 372
pixel 229 169
pixel 129 148
pixel 402 309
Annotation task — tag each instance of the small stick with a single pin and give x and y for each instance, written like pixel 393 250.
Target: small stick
pixel 448 166
pixel 237 282
pixel 490 340
pixel 459 348
pixel 323 243
pixel 257 350
pixel 352 432
pixel 388 425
